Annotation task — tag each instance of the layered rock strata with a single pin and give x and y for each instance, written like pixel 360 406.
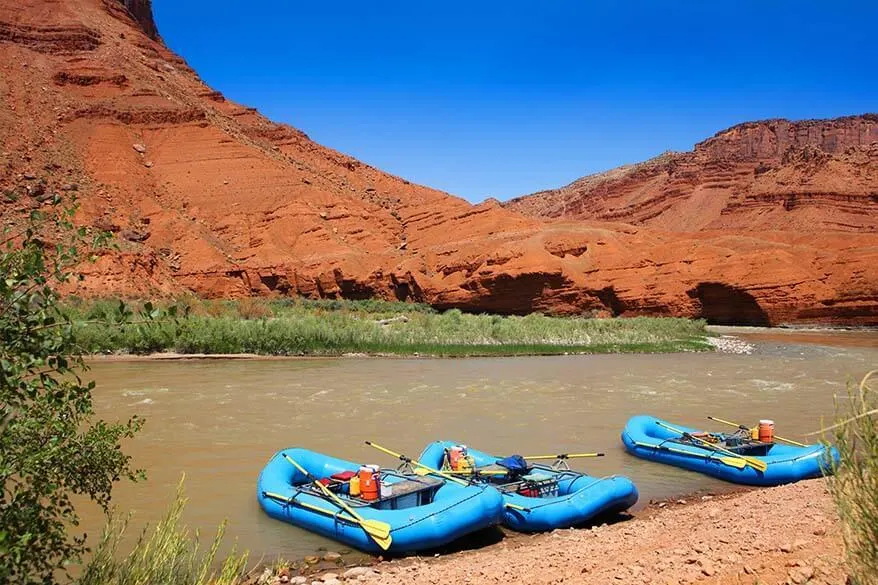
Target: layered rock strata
pixel 209 196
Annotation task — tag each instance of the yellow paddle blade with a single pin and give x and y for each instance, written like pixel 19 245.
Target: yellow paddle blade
pixel 380 530
pixel 756 463
pixel 734 462
pixel 383 542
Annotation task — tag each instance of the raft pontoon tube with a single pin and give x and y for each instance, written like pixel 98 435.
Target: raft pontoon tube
pixel 579 497
pixel 645 437
pixel 453 511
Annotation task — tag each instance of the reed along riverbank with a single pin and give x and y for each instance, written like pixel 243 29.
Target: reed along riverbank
pixel 328 328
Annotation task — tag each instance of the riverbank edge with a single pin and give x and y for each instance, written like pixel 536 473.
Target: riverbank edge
pixel 785 534
pixel 697 346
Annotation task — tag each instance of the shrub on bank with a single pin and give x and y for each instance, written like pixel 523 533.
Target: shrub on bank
pixel 169 555
pixel 854 486
pixel 292 327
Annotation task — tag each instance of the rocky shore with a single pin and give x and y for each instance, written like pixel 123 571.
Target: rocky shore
pixel 784 535
pixel 731 344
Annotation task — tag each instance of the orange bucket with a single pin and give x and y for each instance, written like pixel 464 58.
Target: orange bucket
pixel 369 488
pixel 766 431
pixel 455 456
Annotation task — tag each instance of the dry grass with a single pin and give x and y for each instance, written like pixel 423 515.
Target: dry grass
pixel 854 486
pixel 168 555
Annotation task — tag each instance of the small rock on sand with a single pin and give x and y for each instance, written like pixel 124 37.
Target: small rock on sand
pixel 800 575
pixel 265 577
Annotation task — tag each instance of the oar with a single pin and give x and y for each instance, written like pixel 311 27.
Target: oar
pixel 731 461
pixel 565 456
pixel 751 461
pixel 447 476
pixel 743 428
pixel 411 461
pixel 379 531
pixel 307 506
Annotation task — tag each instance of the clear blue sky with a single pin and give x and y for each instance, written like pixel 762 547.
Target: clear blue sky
pixel 484 98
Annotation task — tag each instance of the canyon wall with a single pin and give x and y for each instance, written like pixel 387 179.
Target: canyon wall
pixel 765 223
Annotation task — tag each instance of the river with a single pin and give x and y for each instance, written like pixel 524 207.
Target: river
pixel 219 421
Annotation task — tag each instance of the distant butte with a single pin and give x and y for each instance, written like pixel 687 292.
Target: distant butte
pixel 766 223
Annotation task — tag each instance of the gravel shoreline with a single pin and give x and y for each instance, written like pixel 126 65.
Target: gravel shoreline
pixel 787 534
pixel 731 344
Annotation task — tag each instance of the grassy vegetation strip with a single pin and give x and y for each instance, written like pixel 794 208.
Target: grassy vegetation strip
pixel 339 327
pixel 169 554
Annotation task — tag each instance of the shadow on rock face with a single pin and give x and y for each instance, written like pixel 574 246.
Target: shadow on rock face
pixel 722 304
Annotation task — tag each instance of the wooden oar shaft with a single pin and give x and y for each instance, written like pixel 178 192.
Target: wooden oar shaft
pixel 755 463
pixel 565 456
pixel 418 463
pixel 672 450
pixel 742 427
pixel 730 461
pixel 313 508
pixel 377 530
pixel 341 503
pixel 435 471
pixel 700 440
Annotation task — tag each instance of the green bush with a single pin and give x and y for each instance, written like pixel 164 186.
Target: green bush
pixel 52 449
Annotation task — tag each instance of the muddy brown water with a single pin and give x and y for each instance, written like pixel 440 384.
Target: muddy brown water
pixel 220 421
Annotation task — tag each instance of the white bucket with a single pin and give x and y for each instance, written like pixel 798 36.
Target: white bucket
pixel 386 490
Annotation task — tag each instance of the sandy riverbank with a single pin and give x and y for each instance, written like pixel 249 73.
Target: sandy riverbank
pixel 787 534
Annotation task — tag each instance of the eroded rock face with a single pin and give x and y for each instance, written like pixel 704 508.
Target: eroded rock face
pixel 812 176
pixel 223 202
pixel 141 10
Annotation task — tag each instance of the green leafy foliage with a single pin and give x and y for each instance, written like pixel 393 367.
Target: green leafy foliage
pixel 52 449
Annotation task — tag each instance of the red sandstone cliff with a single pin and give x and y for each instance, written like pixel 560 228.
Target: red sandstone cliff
pixel 812 176
pixel 141 11
pixel 209 196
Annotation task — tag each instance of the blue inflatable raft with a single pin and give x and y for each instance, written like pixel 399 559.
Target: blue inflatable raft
pixel 649 438
pixel 425 513
pixel 552 498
